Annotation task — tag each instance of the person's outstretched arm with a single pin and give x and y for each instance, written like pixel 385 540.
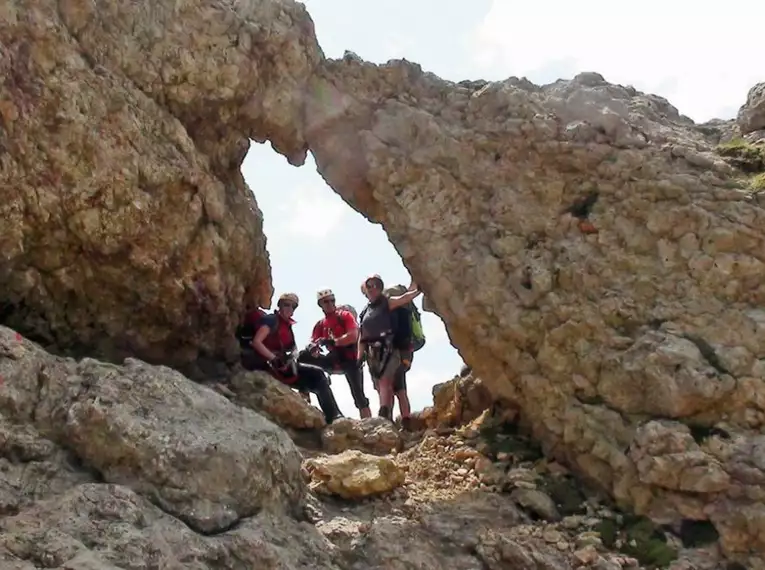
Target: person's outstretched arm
pixel 408 297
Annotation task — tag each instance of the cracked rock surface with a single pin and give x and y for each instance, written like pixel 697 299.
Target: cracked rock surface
pixel 100 471
pixel 196 455
pixel 597 258
pixel 127 227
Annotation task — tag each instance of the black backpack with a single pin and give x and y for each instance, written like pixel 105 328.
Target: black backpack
pixel 246 330
pixel 401 326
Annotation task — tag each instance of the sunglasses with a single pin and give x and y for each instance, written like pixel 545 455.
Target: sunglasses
pixel 372 285
pixel 328 301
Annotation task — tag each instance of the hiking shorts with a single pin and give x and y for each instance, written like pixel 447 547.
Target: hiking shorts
pixel 388 369
pixel 399 379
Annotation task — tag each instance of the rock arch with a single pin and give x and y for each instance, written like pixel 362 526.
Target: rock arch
pixel 594 259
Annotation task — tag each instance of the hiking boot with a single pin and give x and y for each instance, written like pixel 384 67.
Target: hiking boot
pixel 385 412
pixel 406 424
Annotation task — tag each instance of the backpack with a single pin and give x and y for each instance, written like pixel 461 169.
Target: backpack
pixel 351 310
pixel 405 322
pixel 407 327
pixel 246 330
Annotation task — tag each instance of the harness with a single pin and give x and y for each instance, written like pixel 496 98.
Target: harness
pixel 379 353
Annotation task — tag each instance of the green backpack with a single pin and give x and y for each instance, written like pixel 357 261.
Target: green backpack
pixel 407 322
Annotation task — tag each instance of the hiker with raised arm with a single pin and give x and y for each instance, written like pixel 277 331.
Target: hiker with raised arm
pixel 376 339
pixel 408 338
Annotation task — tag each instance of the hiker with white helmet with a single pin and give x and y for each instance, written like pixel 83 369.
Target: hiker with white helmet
pixel 273 348
pixel 338 333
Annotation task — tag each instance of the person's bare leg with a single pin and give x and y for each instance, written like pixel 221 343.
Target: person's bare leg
pixel 386 397
pixel 403 403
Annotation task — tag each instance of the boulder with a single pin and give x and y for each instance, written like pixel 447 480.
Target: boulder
pixel 197 456
pixel 277 401
pixel 751 116
pixel 107 527
pixel 353 474
pixel 458 401
pixel 376 436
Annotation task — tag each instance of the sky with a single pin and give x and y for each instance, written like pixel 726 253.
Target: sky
pixel 700 56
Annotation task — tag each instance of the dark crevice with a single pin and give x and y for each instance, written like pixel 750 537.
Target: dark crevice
pixel 188 522
pixel 582 207
pixel 707 352
pixel 526 278
pixel 600 401
pixel 697 533
pixel 702 433
pixel 77 463
pixel 39 396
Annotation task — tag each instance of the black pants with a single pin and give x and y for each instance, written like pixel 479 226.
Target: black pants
pixel 354 373
pixel 310 379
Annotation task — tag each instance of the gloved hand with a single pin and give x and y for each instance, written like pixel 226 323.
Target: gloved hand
pixel 277 363
pixel 327 342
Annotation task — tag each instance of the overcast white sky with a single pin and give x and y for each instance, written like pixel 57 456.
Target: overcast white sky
pixel 703 57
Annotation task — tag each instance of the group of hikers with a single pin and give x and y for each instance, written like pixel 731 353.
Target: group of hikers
pixel 385 335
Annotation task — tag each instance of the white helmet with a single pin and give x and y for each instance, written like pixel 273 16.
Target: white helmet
pixel 323 294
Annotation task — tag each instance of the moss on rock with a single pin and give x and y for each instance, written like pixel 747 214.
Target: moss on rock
pixel 566 494
pixel 640 538
pixel 744 155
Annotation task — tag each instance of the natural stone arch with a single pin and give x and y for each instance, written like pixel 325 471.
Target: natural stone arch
pixel 593 335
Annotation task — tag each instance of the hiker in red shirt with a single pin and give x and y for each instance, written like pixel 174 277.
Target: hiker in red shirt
pixel 338 332
pixel 272 342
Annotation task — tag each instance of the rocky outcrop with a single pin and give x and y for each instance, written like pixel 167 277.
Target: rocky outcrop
pixel 353 474
pixel 377 436
pixel 456 402
pixel 197 456
pixel 751 117
pixel 137 492
pixel 127 227
pixel 594 258
pixel 275 400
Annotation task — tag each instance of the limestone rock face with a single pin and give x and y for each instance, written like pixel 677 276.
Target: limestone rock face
pixel 595 260
pixel 127 227
pixel 199 457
